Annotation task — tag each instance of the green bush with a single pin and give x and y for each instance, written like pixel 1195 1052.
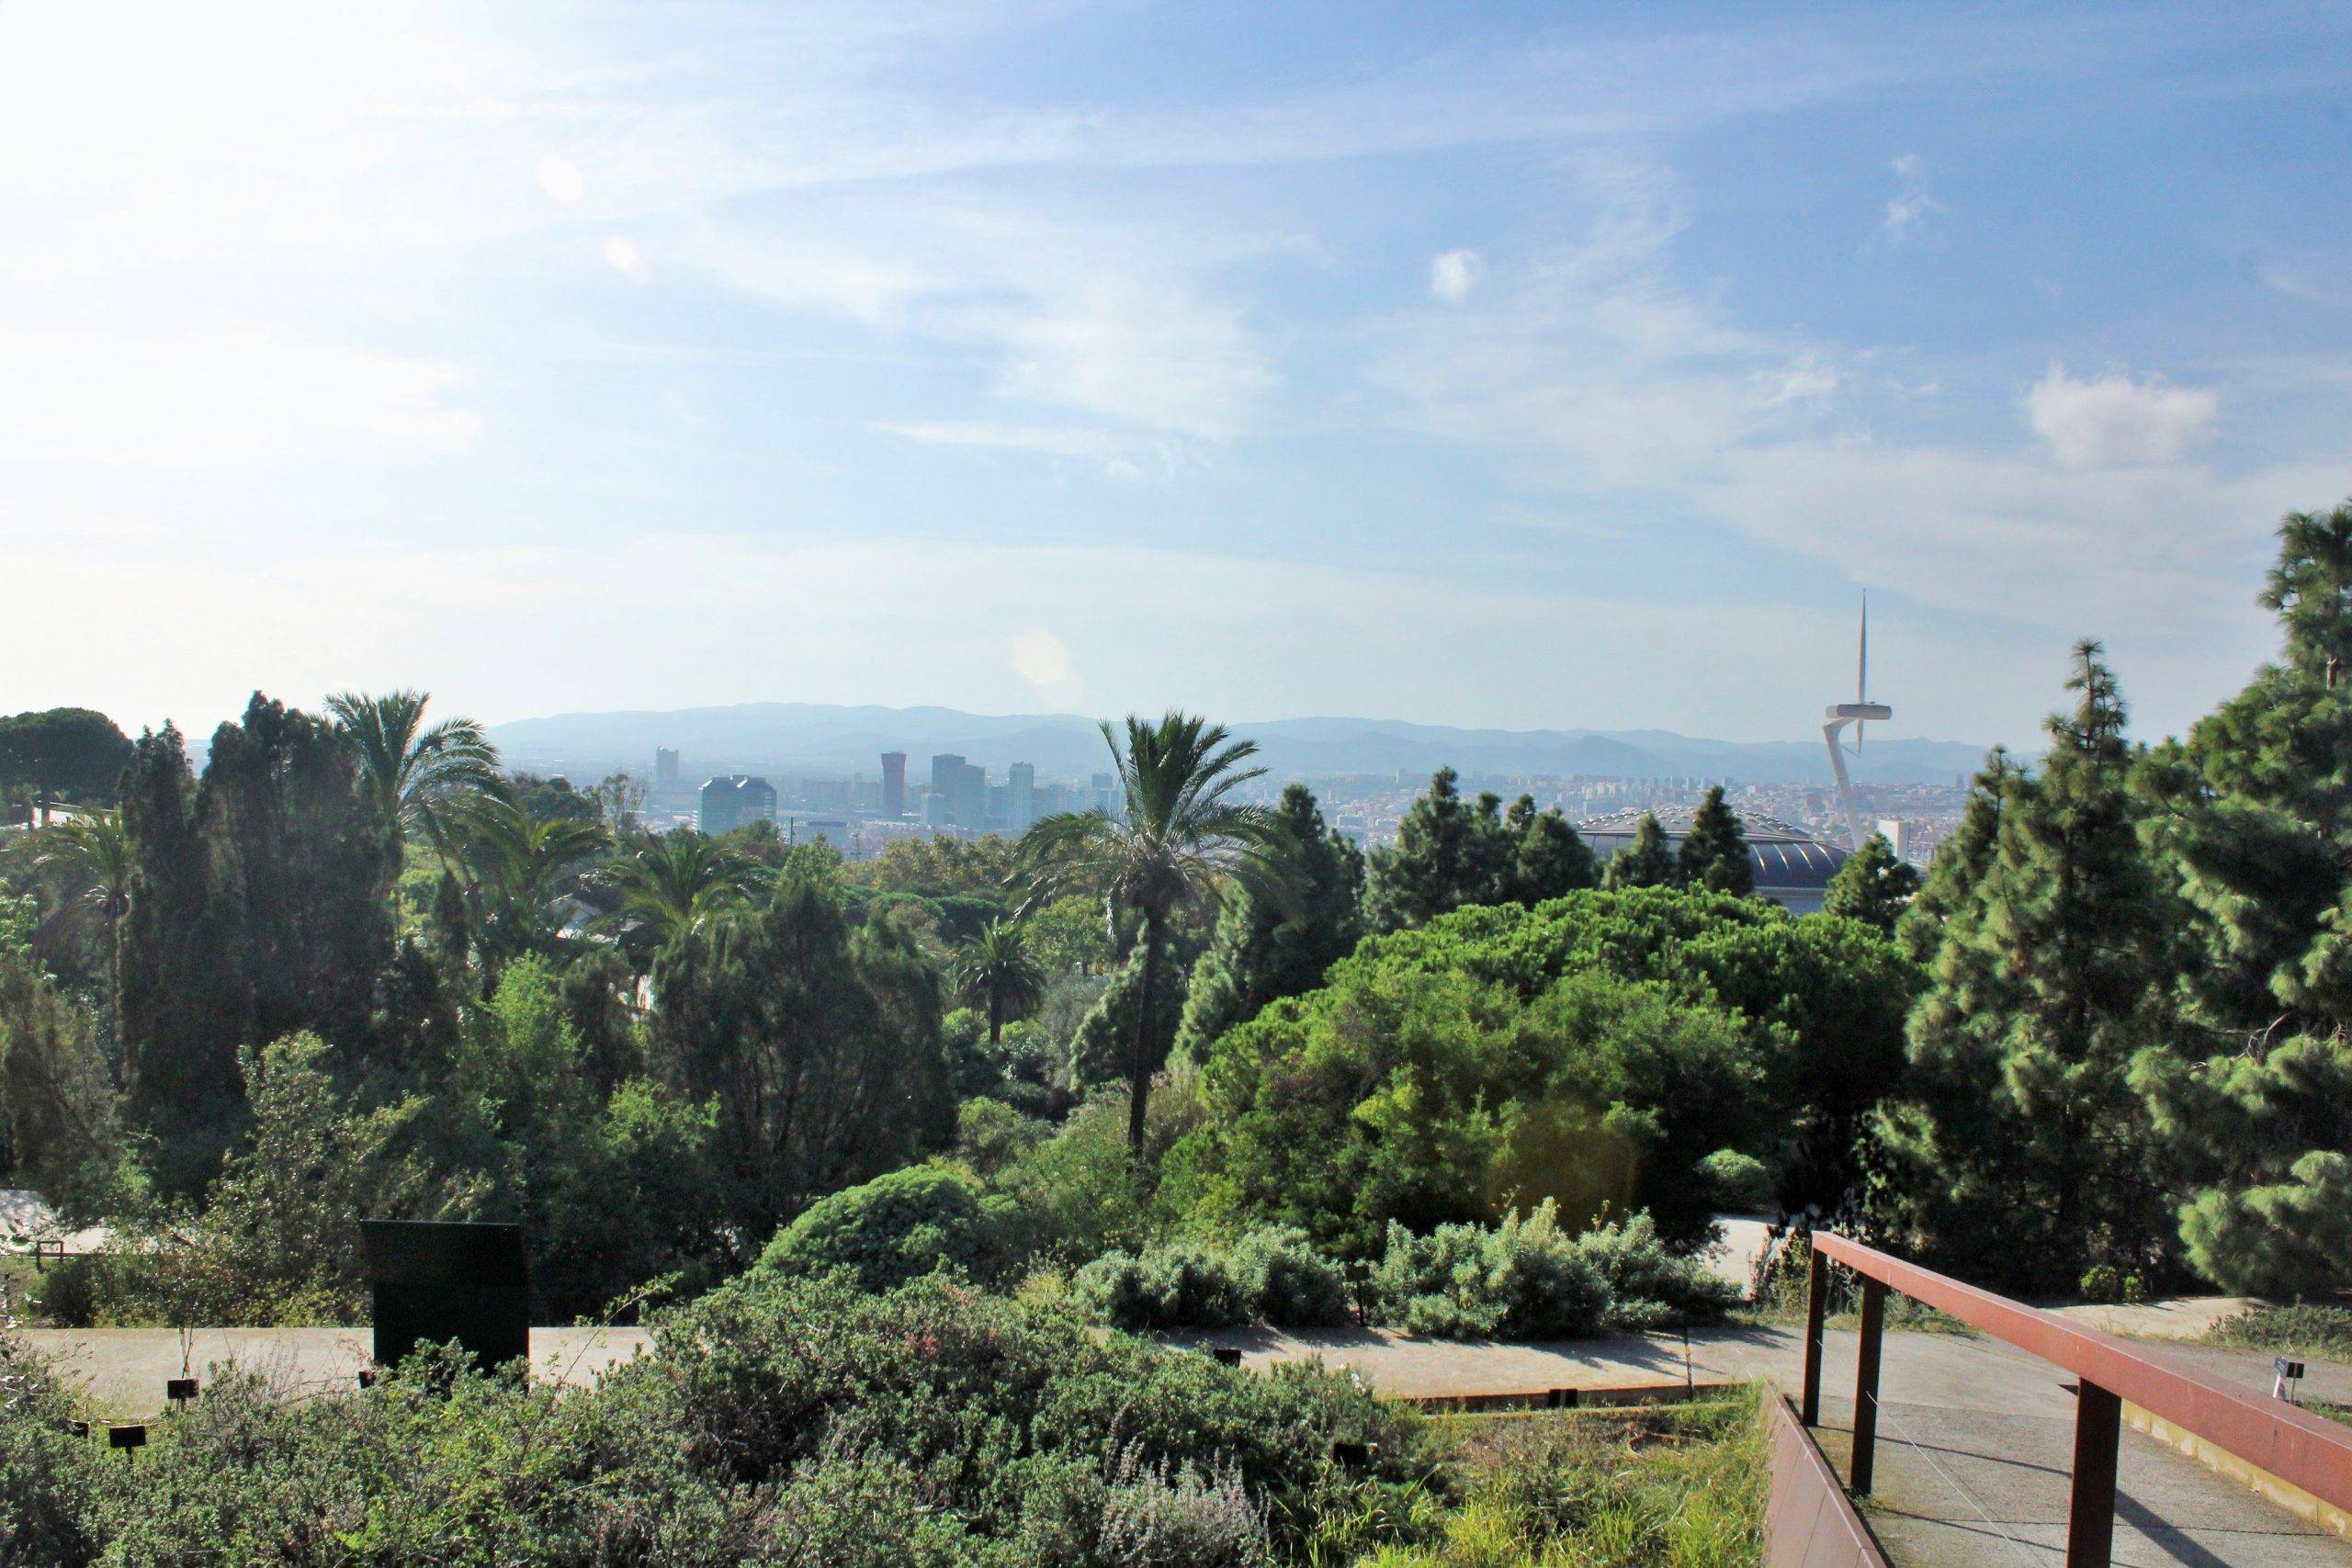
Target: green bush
pixel 1519 1280
pixel 1286 1283
pixel 896 1228
pixel 1651 1286
pixel 782 1419
pixel 1739 1183
pixel 1183 1285
pixel 2101 1283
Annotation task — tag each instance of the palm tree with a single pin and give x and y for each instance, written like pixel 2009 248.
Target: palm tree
pixel 995 971
pixel 417 775
pixel 1179 844
pixel 522 866
pixel 671 884
pixel 90 857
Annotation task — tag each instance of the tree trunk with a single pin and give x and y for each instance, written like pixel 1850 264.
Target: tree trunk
pixel 1139 1068
pixel 996 1017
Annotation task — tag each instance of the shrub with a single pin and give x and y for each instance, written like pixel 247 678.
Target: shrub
pixel 1286 1281
pixel 2100 1283
pixel 781 1419
pixel 1189 1519
pixel 1740 1182
pixel 1183 1285
pixel 896 1228
pixel 1650 1286
pixel 1521 1280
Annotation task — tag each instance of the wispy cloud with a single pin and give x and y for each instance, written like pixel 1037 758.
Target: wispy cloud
pixel 1912 211
pixel 2113 421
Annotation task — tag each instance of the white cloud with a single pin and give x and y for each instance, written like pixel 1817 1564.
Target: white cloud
pixel 1911 210
pixel 216 398
pixel 1453 274
pixel 2113 421
pixel 1117 321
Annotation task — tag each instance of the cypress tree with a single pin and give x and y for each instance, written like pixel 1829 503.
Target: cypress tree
pixel 1873 886
pixel 1645 862
pixel 1263 952
pixel 1714 853
pixel 258 909
pixel 2027 1152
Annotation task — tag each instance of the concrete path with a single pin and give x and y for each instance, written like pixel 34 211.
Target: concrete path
pixel 1976 1439
pixel 124 1368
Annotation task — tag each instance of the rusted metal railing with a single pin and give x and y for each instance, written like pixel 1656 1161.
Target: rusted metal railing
pixel 2304 1450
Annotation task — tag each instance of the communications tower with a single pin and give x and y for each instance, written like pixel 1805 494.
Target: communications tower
pixel 1856 713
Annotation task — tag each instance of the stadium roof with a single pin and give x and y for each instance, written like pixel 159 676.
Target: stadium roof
pixel 1785 857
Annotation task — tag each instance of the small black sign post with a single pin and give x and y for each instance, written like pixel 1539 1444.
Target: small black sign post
pixel 2289 1374
pixel 436 1281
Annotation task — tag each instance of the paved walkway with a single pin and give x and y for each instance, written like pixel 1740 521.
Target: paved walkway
pixel 124 1368
pixel 1976 1438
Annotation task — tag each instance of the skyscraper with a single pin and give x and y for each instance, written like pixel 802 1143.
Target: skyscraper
pixel 894 784
pixel 735 801
pixel 665 764
pixel 1102 791
pixel 972 798
pixel 1021 807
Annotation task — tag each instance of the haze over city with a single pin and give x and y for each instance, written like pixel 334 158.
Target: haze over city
pixel 1482 365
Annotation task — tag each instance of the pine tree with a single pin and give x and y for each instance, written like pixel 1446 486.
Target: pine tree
pixel 1433 863
pixel 1873 886
pixel 1714 851
pixel 1960 860
pixel 2025 1148
pixel 1549 857
pixel 2252 819
pixel 1263 950
pixel 1645 862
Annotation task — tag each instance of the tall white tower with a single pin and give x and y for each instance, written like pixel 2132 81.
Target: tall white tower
pixel 1856 713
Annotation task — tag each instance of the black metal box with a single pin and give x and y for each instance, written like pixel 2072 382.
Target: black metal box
pixel 436 1280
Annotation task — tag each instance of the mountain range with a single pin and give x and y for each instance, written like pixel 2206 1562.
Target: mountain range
pixel 791 739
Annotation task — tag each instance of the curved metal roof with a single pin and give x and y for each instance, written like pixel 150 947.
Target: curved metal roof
pixel 1784 856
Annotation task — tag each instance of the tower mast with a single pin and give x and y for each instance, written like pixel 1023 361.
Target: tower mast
pixel 1856 713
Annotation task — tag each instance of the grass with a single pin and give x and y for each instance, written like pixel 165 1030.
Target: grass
pixel 2330 1409
pixel 1783 1304
pixel 19 1280
pixel 1681 1485
pixel 2311 1332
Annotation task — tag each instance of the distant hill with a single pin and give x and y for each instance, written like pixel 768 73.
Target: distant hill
pixel 820 739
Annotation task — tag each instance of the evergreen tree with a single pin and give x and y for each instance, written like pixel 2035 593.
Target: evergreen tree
pixel 179 990
pixel 1960 860
pixel 1645 862
pixel 1262 950
pixel 1714 851
pixel 2252 819
pixel 1550 858
pixel 1450 856
pixel 1432 864
pixel 2026 1153
pixel 1873 886
pixel 258 908
pixel 819 1081
pixel 56 1122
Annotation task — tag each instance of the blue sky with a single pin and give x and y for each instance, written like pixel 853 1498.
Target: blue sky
pixel 1532 366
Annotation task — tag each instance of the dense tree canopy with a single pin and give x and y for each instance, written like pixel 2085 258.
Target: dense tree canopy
pixel 69 754
pixel 1449 855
